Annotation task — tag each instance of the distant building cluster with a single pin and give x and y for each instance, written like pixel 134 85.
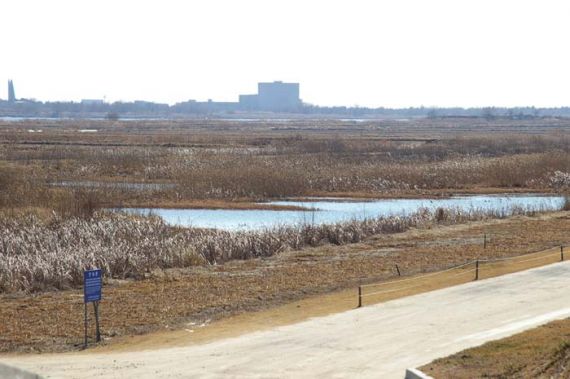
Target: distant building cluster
pixel 270 97
pixel 92 101
pixel 273 97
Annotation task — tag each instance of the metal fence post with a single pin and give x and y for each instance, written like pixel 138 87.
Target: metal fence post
pixel 85 324
pixel 359 296
pixel 485 241
pixel 561 253
pixel 477 269
pixel 98 331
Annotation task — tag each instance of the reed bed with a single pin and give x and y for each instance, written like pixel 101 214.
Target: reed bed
pixel 224 165
pixel 214 160
pixel 38 255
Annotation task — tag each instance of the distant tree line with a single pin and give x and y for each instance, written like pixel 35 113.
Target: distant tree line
pixel 432 112
pixel 117 110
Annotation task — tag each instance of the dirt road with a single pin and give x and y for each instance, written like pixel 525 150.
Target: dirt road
pixel 374 341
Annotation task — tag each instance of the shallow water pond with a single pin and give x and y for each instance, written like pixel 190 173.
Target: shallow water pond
pixel 328 211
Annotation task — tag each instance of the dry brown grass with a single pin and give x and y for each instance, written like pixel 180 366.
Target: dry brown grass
pixel 175 297
pixel 543 352
pixel 228 160
pixel 37 255
pixel 234 175
pixel 464 273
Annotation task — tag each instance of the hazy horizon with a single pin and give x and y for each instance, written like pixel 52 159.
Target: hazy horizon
pixel 369 53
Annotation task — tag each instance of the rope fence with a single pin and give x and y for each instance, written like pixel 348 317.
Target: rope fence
pixel 477 263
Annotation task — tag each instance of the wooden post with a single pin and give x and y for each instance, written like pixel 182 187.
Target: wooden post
pixel 98 332
pixel 359 296
pixel 477 269
pixel 398 269
pixel 561 253
pixel 85 314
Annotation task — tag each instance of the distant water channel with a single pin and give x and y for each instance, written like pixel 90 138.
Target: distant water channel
pixel 116 185
pixel 329 211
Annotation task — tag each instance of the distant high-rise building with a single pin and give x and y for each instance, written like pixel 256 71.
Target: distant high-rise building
pixel 275 96
pixel 11 93
pixel 278 96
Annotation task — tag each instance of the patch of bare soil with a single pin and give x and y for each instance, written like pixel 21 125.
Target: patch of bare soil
pixel 305 283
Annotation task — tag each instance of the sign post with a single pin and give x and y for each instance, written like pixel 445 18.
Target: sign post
pixel 92 285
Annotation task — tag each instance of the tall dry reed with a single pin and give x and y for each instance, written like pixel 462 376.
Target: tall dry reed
pixel 38 255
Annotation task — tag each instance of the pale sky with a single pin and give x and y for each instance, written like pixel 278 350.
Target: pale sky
pixel 396 53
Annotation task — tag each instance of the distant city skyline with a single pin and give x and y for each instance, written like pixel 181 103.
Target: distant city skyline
pixel 276 96
pixel 370 53
pixel 272 98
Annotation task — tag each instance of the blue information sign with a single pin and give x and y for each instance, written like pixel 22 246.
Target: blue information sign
pixel 92 283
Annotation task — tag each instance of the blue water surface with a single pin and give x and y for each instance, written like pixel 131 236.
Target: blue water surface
pixel 328 211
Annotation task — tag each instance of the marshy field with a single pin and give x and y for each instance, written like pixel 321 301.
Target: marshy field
pixel 65 187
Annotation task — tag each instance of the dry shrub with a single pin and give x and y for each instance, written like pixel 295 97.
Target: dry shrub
pixel 9 184
pixel 560 180
pixel 527 170
pixel 239 177
pixel 82 203
pixel 566 206
pixel 37 255
pixel 440 215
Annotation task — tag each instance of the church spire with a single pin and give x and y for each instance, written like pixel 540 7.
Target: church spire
pixel 11 93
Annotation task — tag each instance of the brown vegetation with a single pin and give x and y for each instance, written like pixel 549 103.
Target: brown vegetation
pixel 543 352
pixel 173 298
pixel 148 163
pixel 53 184
pixel 37 255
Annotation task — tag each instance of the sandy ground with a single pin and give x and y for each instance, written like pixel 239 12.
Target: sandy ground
pixel 374 341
